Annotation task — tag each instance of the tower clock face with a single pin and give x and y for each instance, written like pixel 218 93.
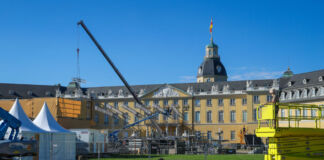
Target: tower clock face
pixel 219 68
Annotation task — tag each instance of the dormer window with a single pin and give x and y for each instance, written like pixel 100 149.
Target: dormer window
pixel 30 93
pixel 305 81
pixel 11 92
pixel 290 83
pixel 48 93
pixel 320 78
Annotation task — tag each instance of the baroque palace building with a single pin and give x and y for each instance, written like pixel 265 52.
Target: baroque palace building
pixel 211 105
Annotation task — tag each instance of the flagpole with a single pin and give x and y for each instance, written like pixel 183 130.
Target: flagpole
pixel 211 30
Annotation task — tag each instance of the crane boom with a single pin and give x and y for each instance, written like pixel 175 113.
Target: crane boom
pixel 156 126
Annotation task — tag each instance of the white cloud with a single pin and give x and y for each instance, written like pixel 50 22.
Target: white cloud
pixel 256 75
pixel 187 78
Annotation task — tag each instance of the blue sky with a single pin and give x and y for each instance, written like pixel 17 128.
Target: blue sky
pixel 157 41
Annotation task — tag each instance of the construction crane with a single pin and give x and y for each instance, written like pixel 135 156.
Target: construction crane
pixel 140 104
pixel 130 110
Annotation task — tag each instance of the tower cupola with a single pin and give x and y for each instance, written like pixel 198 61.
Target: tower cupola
pixel 211 69
pixel 288 73
pixel 211 50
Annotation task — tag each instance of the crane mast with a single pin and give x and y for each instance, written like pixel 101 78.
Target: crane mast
pixel 147 113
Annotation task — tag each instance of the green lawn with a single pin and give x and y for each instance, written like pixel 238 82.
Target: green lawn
pixel 189 157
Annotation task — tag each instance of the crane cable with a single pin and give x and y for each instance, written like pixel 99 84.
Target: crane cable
pixel 78 56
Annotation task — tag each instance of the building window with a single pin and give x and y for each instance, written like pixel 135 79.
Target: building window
pixel 125 118
pixel 96 118
pixel 297 112
pixel 221 116
pixel 156 102
pixel 232 101
pixel 165 102
pixel 197 116
pixel 244 116
pixel 126 103
pixel 185 102
pixel 233 116
pixel 136 105
pixel 254 115
pixel 88 105
pixel 106 120
pixel 269 98
pixel 147 103
pixel 220 102
pixel 256 100
pixel 208 79
pixel 209 116
pixel 116 105
pixel 165 117
pixel 282 113
pixel 244 101
pixel 209 135
pixel 197 102
pixel 175 116
pixel 232 135
pixel 135 118
pixel 116 120
pixel 198 134
pixel 88 110
pixel 220 137
pixel 305 113
pixel 209 102
pixel 290 112
pixel 175 102
pixel 313 113
pixel 185 116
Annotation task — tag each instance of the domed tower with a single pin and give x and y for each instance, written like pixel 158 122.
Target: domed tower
pixel 211 69
pixel 288 73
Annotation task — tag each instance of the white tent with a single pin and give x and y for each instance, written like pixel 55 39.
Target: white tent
pixel 63 145
pixel 29 130
pixel 46 121
pixel 26 124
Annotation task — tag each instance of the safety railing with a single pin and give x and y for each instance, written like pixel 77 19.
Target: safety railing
pixel 289 115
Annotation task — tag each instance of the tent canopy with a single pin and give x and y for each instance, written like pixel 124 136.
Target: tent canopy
pixel 26 124
pixel 46 121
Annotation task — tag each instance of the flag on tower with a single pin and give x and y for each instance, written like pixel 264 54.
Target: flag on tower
pixel 211 26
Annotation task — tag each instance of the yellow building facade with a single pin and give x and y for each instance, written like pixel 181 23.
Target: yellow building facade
pixel 205 108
